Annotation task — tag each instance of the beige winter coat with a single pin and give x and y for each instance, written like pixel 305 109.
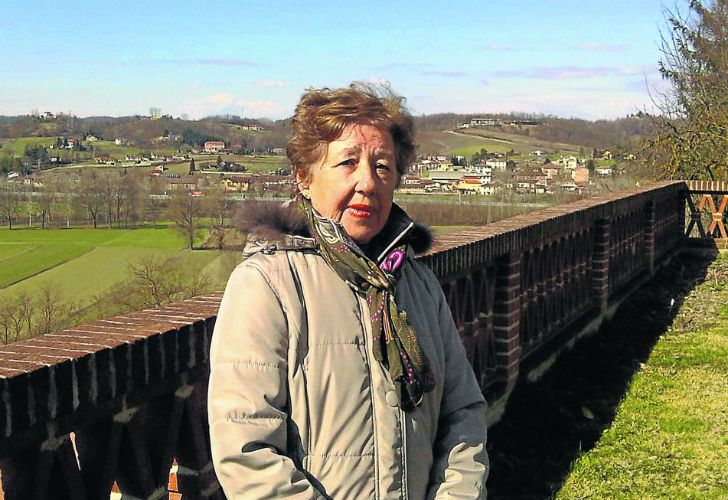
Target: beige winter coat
pixel 299 407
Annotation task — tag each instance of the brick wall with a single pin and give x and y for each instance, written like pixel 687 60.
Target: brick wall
pixel 105 405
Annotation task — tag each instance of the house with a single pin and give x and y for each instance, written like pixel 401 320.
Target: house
pixel 550 170
pixel 569 162
pixel 604 171
pixel 474 186
pixel 485 122
pixel 414 185
pixel 176 182
pixel 91 138
pixel 119 141
pixel 444 178
pixel 71 142
pixel 214 146
pixel 580 175
pixel 235 183
pixel 496 163
pixel 105 160
pixel 253 127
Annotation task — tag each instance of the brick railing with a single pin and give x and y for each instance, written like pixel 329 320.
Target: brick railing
pixel 116 404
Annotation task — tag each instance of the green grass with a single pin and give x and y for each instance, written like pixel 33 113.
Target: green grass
pixel 669 438
pixel 120 152
pixel 36 259
pixel 446 143
pixel 82 264
pixel 18 145
pixel 26 253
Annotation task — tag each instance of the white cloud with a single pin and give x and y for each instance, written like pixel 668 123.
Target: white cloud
pixel 223 103
pixel 602 47
pixel 272 83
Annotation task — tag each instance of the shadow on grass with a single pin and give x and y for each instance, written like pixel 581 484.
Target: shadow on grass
pixel 549 423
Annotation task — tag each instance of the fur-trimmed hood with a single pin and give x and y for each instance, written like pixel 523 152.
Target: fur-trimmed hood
pixel 271 226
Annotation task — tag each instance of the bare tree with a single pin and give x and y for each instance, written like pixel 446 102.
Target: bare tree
pixel 218 208
pixel 119 195
pixel 154 199
pixel 91 195
pixel 185 210
pixel 9 202
pixel 26 311
pixel 157 280
pixel 45 198
pixel 135 192
pixel 53 310
pixel 691 140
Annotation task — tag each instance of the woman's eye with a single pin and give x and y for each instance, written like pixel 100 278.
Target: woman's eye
pixel 382 166
pixel 348 162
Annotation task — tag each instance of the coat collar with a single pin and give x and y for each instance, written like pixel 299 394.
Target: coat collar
pixel 272 226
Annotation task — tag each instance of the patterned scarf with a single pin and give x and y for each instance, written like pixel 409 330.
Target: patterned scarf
pixel 395 341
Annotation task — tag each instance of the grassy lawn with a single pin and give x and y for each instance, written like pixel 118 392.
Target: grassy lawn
pixel 18 145
pixel 120 152
pixel 82 263
pixel 669 438
pixel 447 143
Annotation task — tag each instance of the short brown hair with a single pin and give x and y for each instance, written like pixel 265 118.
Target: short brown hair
pixel 323 114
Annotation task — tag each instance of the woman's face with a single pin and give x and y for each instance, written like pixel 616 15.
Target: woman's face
pixel 354 182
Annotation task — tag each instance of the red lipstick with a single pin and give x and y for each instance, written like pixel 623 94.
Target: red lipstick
pixel 361 211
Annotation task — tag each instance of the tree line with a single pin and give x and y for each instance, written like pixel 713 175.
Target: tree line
pixel 114 198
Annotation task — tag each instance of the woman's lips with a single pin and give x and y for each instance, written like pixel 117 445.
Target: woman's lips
pixel 361 211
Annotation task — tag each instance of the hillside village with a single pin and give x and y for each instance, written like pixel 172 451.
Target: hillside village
pixel 223 164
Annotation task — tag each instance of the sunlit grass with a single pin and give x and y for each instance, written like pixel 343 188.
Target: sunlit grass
pixel 669 438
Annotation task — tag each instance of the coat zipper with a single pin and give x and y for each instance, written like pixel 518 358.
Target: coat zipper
pixel 367 337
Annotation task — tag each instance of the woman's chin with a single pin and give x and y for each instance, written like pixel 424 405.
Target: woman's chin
pixel 360 231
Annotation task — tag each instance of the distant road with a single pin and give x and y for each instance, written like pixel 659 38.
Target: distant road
pixel 504 141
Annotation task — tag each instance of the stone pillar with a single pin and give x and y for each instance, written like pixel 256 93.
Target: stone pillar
pixel 600 265
pixel 507 318
pixel 649 236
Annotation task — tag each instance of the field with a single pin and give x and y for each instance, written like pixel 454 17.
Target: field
pixel 469 141
pixel 82 263
pixel 18 145
pixel 120 152
pixel 260 164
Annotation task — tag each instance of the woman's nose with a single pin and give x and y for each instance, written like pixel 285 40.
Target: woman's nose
pixel 365 182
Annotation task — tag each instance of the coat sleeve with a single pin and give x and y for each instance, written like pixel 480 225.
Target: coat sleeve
pixel 247 394
pixel 460 467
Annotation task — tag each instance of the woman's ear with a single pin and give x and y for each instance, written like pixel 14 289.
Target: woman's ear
pixel 302 183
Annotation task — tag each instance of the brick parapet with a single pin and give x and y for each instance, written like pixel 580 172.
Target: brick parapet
pixel 65 374
pixel 65 381
pixel 459 251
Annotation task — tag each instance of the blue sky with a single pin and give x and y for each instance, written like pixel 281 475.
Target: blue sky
pixel 591 59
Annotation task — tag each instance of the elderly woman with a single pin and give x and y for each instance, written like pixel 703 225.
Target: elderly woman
pixel 336 368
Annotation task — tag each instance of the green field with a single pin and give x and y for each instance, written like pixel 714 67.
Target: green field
pixel 83 263
pixel 470 141
pixel 120 152
pixel 18 145
pixel 449 143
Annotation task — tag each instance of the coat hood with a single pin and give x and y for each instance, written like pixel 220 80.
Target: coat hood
pixel 271 226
